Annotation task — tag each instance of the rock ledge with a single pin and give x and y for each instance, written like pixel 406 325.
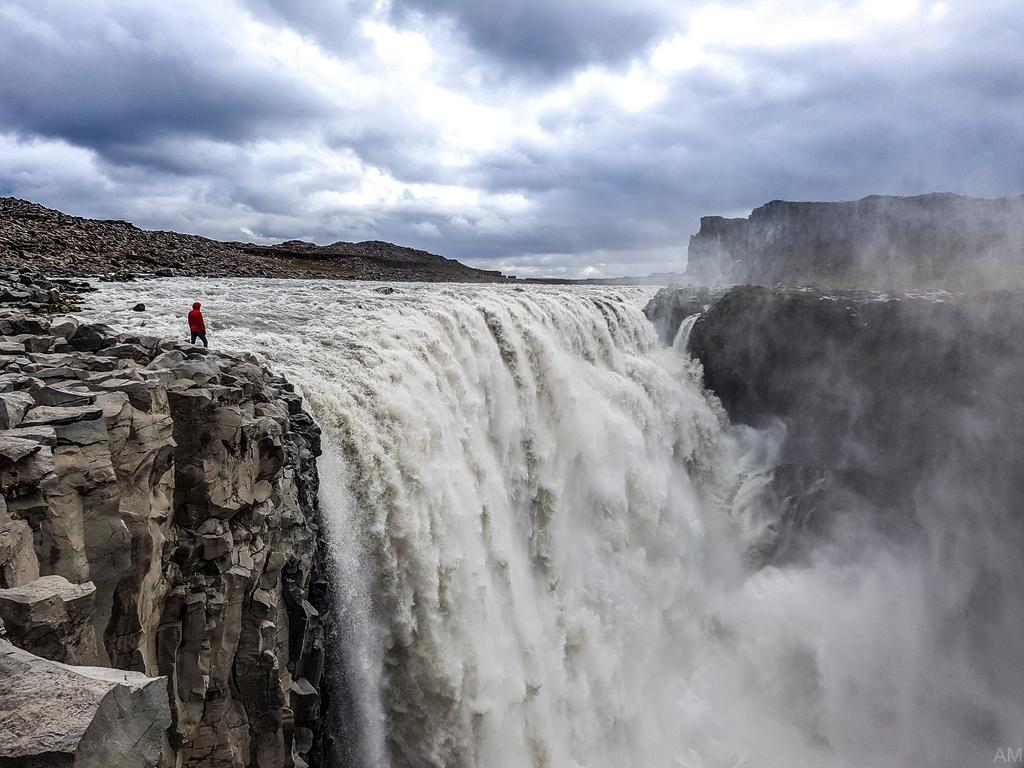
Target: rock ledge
pixel 158 518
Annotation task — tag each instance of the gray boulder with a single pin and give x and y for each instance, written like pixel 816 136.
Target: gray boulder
pixel 18 562
pixel 52 395
pixel 52 618
pixel 13 407
pixel 53 714
pixel 52 414
pixel 14 449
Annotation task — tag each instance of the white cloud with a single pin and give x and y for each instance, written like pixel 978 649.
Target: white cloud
pixel 427 229
pixel 407 53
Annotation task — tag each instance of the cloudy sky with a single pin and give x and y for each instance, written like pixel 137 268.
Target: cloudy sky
pixel 557 137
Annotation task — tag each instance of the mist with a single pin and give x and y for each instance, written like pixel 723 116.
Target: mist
pixel 889 243
pixel 885 344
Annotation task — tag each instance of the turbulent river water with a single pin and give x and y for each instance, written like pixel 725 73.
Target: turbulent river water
pixel 541 521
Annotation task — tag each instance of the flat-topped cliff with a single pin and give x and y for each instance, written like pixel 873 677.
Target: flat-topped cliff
pixel 878 242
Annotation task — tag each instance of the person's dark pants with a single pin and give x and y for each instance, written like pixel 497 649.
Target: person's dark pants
pixel 201 337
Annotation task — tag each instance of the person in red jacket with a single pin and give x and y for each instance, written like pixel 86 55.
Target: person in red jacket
pixel 197 325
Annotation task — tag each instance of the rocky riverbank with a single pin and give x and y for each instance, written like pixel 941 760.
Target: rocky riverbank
pixel 162 579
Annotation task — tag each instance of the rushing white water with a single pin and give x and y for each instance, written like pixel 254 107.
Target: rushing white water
pixel 682 338
pixel 540 521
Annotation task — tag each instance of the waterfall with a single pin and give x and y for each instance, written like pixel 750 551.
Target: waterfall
pixel 540 520
pixel 544 498
pixel 682 337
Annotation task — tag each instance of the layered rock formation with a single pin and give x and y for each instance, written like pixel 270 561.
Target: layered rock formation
pixel 35 237
pixel 159 516
pixel 877 242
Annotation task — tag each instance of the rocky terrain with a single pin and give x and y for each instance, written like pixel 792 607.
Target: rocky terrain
pixel 53 243
pixel 937 240
pixel 902 404
pixel 162 582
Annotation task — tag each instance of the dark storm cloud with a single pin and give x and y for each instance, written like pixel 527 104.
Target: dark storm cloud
pixel 114 81
pixel 548 37
pixel 202 117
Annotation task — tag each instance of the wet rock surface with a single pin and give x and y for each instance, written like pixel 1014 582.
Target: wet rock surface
pixel 42 239
pixel 898 403
pixel 158 516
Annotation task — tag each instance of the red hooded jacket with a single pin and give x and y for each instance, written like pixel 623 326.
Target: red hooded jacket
pixel 195 320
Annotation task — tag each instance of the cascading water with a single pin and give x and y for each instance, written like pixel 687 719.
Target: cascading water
pixel 541 520
pixel 682 338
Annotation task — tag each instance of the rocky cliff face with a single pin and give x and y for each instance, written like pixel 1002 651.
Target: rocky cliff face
pixel 905 405
pixel 44 239
pixel 877 242
pixel 158 516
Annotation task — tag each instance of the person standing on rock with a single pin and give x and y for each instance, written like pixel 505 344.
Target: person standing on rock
pixel 197 325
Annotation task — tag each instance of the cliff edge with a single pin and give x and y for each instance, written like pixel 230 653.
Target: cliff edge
pixel 158 518
pixel 892 405
pixel 937 240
